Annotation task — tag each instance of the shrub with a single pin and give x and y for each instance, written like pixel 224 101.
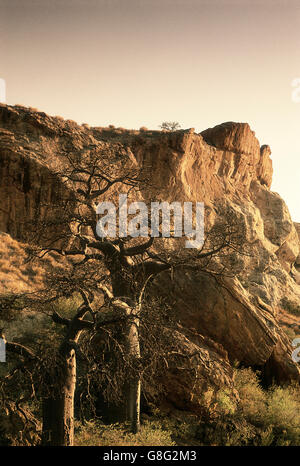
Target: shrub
pixel 169 126
pixel 97 434
pixel 258 416
pixel 261 417
pixel 224 403
pixel 283 414
pixel 252 403
pixel 287 305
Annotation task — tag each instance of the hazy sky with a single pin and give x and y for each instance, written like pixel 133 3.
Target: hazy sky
pixel 136 63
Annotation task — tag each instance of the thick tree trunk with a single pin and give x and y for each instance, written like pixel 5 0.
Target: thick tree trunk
pixel 134 384
pixel 121 288
pixel 58 412
pixel 133 403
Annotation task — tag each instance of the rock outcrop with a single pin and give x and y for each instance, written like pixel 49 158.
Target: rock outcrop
pixel 246 315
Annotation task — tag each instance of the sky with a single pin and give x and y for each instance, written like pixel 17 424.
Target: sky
pixel 134 63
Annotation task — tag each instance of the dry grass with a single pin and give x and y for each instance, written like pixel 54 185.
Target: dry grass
pixel 97 434
pixel 17 275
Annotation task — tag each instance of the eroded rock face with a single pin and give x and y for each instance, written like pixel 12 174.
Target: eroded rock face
pixel 297 228
pixel 27 189
pixel 223 166
pixel 202 366
pixel 33 147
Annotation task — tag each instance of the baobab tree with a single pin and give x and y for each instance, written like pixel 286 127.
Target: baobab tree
pixel 54 378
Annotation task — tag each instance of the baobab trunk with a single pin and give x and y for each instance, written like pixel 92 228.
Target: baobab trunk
pixel 58 411
pixel 121 289
pixel 134 384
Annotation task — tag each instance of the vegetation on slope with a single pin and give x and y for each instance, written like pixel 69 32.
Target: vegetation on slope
pixel 261 417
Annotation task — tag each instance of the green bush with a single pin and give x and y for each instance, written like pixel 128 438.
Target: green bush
pixel 260 417
pixel 283 414
pixel 253 398
pixel 264 417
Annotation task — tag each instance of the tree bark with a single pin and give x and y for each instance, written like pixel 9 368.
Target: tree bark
pixel 134 383
pixel 58 411
pixel 121 288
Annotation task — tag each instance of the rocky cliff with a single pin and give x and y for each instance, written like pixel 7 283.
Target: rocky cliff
pixel 250 316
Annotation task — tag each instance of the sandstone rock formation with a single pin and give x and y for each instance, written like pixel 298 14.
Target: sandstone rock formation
pixel 239 318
